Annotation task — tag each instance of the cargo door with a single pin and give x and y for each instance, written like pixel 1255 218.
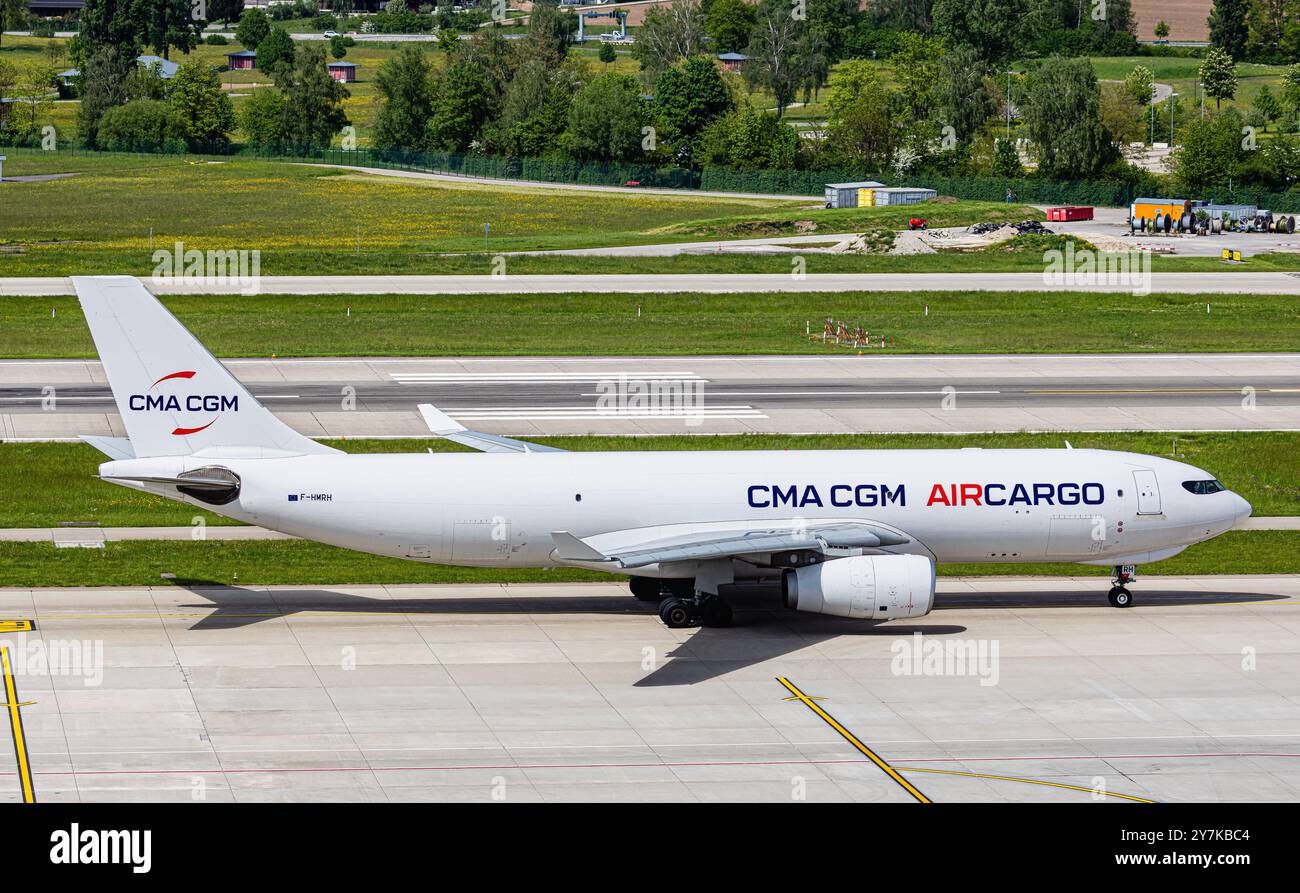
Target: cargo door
pixel 1148 491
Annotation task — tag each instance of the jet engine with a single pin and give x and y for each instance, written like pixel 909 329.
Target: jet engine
pixel 866 587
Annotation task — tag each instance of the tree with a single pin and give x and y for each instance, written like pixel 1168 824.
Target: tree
pixel 448 40
pixel 170 23
pixel 607 53
pixel 914 64
pixel 31 91
pixel 535 108
pixel 276 49
pixel 829 24
pixel 1218 76
pixel 1162 30
pixel 1120 114
pixel 990 26
pixel 688 96
pixel 338 46
pixel 1291 87
pixel 1140 84
pixel 254 26
pixel 1006 160
pixel 1060 109
pixel 550 30
pixel 1267 105
pixel 781 57
pixel 606 119
pixel 261 114
pixel 960 96
pixel 12 14
pixel 225 11
pixel 729 24
pixel 859 125
pixel 1268 22
pixel 104 77
pixel 461 106
pixel 405 84
pixel 1210 152
pixel 313 106
pixel 669 34
pixel 749 139
pixel 110 23
pixel 1228 27
pixel 142 124
pixel 201 104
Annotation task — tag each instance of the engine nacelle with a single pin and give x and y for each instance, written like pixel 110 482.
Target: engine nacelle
pixel 867 587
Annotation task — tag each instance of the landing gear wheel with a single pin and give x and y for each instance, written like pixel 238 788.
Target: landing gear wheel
pixel 1120 597
pixel 717 613
pixel 677 613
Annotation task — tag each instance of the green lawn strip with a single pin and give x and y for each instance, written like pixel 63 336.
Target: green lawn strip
pixel 682 324
pixel 44 484
pixel 78 260
pixel 304 563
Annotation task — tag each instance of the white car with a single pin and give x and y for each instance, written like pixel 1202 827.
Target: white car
pixel 330 35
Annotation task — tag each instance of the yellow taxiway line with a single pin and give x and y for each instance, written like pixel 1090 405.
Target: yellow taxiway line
pixel 16 725
pixel 852 739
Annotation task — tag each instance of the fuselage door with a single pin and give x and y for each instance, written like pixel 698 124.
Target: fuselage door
pixel 1148 491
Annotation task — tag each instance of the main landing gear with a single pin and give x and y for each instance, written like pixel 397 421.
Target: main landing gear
pixel 703 609
pixel 1119 595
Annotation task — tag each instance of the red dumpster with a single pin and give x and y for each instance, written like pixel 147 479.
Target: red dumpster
pixel 1061 215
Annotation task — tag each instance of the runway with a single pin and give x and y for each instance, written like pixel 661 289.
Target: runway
pixel 1242 282
pixel 834 393
pixel 577 692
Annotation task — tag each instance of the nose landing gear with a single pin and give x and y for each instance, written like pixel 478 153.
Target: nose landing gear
pixel 1119 595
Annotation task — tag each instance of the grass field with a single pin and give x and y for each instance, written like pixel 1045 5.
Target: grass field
pixel 303 563
pixel 48 483
pixel 301 217
pixel 681 324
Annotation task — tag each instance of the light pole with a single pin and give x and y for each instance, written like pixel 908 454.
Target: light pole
pixel 1171 119
pixel 1010 74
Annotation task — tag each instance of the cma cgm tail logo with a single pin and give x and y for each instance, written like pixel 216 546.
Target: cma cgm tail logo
pixel 191 403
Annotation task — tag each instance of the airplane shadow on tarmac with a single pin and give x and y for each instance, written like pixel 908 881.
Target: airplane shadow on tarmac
pixel 761 631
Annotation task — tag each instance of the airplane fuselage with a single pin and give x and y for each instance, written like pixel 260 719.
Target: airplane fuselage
pixel 966 505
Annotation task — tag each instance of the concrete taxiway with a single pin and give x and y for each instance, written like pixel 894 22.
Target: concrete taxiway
pixel 837 392
pixel 1240 283
pixel 577 692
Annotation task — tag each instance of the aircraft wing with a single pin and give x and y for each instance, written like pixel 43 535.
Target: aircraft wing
pixel 700 542
pixel 447 428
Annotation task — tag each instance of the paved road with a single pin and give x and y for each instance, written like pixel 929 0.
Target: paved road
pixel 798 394
pixel 533 185
pixel 1242 282
pixel 577 692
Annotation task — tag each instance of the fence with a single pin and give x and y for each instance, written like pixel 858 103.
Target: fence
pixel 769 182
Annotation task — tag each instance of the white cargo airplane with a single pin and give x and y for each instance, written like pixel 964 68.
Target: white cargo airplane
pixel 851 533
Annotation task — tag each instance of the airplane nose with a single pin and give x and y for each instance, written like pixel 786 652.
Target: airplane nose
pixel 1243 508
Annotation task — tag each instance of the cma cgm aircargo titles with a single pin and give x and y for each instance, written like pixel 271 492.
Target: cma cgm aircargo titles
pixel 852 533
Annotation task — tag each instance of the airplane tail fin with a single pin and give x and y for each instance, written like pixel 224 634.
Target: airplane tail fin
pixel 175 398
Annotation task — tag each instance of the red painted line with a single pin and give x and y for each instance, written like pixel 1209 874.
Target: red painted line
pixel 173 375
pixel 658 765
pixel 181 432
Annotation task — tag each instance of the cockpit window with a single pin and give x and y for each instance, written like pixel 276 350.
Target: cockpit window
pixel 1200 488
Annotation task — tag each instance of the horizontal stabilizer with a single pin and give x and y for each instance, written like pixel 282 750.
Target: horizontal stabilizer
pixel 442 425
pixel 112 447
